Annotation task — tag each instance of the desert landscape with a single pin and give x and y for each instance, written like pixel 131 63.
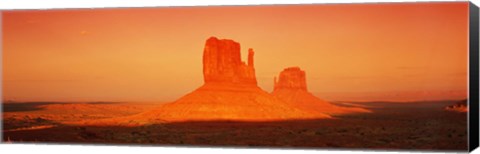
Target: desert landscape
pixel 231 110
pixel 351 76
pixel 389 126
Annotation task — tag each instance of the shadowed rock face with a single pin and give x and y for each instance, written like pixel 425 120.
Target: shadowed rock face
pixel 222 63
pixel 291 87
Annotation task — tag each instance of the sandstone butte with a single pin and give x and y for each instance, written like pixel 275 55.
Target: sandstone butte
pixel 229 92
pixel 291 87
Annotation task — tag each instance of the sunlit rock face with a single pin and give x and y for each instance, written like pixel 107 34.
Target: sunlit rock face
pixel 291 87
pixel 222 63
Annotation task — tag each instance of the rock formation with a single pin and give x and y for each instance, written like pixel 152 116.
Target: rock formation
pixel 230 92
pixel 222 63
pixel 291 87
pixel 291 78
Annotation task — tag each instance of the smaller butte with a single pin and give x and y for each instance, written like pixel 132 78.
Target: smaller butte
pixel 291 87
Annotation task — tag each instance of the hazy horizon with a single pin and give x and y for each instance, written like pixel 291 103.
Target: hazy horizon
pixel 350 52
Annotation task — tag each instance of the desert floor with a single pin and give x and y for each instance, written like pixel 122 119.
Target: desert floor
pixel 404 126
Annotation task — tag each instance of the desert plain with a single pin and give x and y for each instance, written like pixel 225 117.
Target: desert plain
pixel 414 125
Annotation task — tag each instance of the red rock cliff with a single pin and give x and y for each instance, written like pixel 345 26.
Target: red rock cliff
pixel 222 63
pixel 291 78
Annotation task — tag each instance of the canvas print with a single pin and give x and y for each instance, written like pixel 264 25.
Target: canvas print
pixel 348 76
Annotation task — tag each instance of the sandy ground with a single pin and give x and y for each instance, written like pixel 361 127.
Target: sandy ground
pixel 404 126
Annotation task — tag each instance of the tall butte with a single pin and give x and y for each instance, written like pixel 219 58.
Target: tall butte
pixel 222 64
pixel 229 92
pixel 291 87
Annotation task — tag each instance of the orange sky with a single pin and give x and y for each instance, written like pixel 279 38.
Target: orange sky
pixel 359 52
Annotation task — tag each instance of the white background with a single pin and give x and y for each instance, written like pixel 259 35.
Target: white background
pixel 86 149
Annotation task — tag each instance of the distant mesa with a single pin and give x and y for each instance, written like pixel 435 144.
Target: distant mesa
pixel 460 106
pixel 291 87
